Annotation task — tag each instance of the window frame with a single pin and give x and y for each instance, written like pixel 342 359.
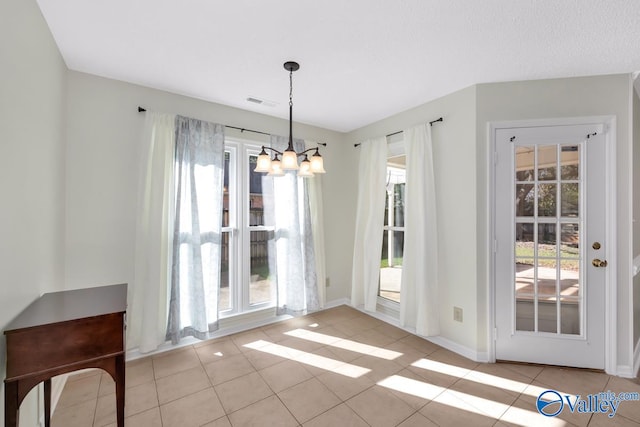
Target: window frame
pixel 394 149
pixel 240 229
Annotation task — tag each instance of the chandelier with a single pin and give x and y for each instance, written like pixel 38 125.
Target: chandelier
pixel 277 167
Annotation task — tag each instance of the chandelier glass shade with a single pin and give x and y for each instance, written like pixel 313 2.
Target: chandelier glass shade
pixel 277 166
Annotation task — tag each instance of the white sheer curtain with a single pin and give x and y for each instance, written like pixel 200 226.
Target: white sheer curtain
pixel 419 306
pixel 317 226
pixel 196 255
pixel 288 210
pixel 147 312
pixel 369 222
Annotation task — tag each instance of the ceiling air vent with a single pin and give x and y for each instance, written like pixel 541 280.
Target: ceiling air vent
pixel 263 102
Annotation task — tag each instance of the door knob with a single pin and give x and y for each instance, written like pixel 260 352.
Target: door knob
pixel 599 263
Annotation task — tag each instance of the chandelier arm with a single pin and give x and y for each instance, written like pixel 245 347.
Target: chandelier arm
pixel 272 149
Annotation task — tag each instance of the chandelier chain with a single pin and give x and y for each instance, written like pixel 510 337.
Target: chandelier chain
pixel 290 88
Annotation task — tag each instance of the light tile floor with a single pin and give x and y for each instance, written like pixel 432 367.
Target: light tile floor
pixel 338 367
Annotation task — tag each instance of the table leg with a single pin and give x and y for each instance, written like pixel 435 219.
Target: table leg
pixel 47 402
pixel 11 404
pixel 120 387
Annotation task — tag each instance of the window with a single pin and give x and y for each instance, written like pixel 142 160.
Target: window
pixel 393 237
pixel 247 280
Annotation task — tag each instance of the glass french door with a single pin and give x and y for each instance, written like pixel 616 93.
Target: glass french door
pixel 549 258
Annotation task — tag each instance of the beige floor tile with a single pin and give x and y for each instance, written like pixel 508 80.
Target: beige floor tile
pixel 602 420
pixel 243 391
pixel 80 390
pixel 228 368
pixel 269 355
pixel 379 368
pixel 391 331
pixel 446 408
pixel 379 407
pixel 335 315
pixel 524 412
pixel 342 350
pixel 528 370
pixel 79 415
pixel 574 381
pixel 320 361
pixel 330 333
pixel 374 338
pixel 345 387
pixel 175 361
pixel 418 420
pixel 217 350
pixel 500 376
pixel 308 399
pixel 193 410
pixel 137 399
pixel 138 372
pixel 277 332
pixel 150 418
pixel 181 384
pixel 284 375
pixel 411 388
pixel 492 401
pixel 353 327
pixel 340 415
pixel 629 409
pixel 220 422
pixel 107 385
pixel 449 357
pixel 527 402
pixel 255 337
pixel 401 353
pixel 420 344
pixel 106 410
pixel 140 398
pixel 300 344
pixel 266 412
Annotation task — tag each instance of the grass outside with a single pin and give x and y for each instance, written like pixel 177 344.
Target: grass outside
pixel 397 262
pixel 569 256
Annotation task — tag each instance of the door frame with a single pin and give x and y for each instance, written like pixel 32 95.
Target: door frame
pixel 609 125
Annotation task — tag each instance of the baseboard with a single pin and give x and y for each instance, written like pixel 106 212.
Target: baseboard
pixel 636 359
pixel 337 302
pixel 624 371
pixel 477 356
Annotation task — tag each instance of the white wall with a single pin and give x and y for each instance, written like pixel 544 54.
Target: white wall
pixel 32 94
pixel 574 97
pixel 104 130
pixel 454 147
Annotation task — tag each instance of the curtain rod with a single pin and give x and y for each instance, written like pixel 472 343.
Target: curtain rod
pixel 400 131
pixel 142 110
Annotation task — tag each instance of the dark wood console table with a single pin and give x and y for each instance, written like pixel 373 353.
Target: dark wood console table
pixel 61 332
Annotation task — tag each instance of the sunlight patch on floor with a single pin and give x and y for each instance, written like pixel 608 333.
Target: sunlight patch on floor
pixel 310 359
pixel 481 377
pixel 412 387
pixel 345 344
pixel 463 401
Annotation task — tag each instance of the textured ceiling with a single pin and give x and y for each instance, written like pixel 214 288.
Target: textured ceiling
pixel 360 60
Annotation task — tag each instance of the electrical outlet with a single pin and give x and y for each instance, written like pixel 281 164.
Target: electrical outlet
pixel 327 282
pixel 457 314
